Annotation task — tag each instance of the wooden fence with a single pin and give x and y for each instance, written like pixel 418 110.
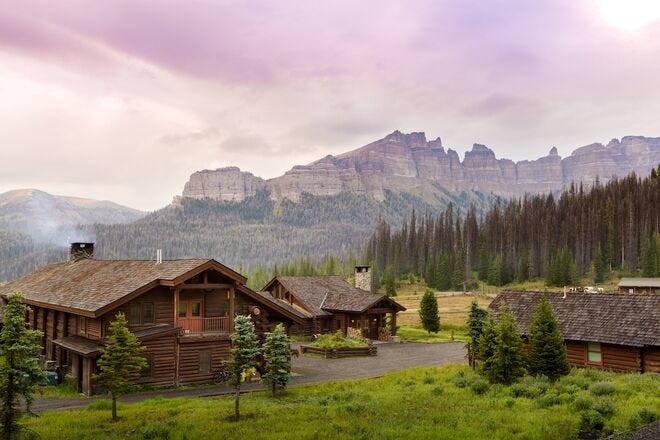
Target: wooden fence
pixel 371 350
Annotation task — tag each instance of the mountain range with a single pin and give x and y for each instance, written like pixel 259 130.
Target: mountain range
pixel 409 163
pixel 328 207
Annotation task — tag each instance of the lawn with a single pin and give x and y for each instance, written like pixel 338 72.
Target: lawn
pixel 447 333
pixel 449 402
pixel 453 307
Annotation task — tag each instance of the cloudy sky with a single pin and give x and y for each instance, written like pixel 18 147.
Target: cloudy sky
pixel 123 100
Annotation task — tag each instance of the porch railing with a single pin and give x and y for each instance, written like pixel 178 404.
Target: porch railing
pixel 203 325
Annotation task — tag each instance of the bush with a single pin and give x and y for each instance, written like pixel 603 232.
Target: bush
pixel 437 390
pixel 604 407
pixel 461 381
pixel 548 400
pixel 428 378
pixel 479 386
pixel 591 420
pixel 643 417
pixel 575 381
pixel 339 340
pixel 583 402
pixel 602 388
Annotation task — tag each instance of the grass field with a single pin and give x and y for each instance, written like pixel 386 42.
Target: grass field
pixel 453 307
pixel 449 402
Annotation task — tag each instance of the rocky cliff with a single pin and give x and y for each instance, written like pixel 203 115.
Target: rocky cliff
pixel 407 162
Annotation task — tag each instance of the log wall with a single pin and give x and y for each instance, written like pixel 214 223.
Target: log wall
pixel 189 364
pixel 652 360
pixel 163 364
pixel 615 357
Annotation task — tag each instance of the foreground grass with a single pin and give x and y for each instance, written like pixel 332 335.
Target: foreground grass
pixel 420 403
pixel 447 333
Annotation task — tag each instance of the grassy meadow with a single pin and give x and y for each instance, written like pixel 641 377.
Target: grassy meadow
pixel 448 402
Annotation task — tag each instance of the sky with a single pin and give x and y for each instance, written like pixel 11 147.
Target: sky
pixel 123 100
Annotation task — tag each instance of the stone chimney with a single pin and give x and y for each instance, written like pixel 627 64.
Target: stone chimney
pixel 81 250
pixel 363 277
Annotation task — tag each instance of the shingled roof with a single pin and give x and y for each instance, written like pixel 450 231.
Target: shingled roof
pixel 639 282
pixel 628 319
pixel 89 285
pixel 323 294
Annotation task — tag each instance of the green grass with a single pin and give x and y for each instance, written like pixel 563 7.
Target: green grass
pixel 418 334
pixel 439 403
pixel 66 390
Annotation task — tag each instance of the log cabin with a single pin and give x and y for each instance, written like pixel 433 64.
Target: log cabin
pixel 182 311
pixel 329 304
pixel 608 331
pixel 639 285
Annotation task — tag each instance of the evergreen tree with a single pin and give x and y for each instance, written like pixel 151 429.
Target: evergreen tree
pixel 495 272
pixel 428 312
pixel 458 276
pixel 522 271
pixel 120 360
pixel 484 261
pixel 476 321
pixel 389 281
pixel 20 372
pixel 649 258
pixel 443 273
pixel 599 266
pixel 508 363
pixel 486 345
pixel 547 352
pixel 245 351
pixel 277 357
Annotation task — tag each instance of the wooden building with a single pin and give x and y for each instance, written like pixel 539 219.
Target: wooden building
pixel 639 285
pixel 181 310
pixel 609 331
pixel 329 303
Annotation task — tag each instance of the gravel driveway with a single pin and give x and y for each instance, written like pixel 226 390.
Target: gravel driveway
pixel 306 370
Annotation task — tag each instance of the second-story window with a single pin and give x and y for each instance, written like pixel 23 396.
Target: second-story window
pixel 141 313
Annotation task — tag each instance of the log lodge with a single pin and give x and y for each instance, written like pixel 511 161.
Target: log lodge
pixel 609 331
pixel 329 304
pixel 182 311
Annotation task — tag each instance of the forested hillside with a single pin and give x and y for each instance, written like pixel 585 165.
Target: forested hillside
pixel 609 227
pixel 261 232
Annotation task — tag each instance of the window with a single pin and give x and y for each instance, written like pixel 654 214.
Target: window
pixel 141 313
pixel 147 313
pixel 594 354
pixel 82 325
pixel 146 371
pixel 205 361
pixel 183 309
pixel 196 309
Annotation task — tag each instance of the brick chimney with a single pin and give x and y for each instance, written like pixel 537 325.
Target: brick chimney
pixel 363 277
pixel 81 250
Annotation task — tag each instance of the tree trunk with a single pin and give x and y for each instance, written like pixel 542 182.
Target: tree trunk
pixel 9 415
pixel 237 397
pixel 114 407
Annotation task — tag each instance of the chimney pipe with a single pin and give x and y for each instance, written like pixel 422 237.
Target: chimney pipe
pixel 363 278
pixel 80 250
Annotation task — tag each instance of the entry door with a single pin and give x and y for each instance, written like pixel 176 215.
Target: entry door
pixel 190 315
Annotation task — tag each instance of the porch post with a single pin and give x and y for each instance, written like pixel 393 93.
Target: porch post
pixel 176 307
pixel 232 309
pixel 393 323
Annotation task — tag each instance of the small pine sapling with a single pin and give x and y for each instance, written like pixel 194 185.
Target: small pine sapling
pixel 428 312
pixel 277 357
pixel 245 351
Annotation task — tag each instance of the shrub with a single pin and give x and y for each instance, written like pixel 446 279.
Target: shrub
pixel 604 407
pixel 548 400
pixel 428 378
pixel 576 381
pixel 602 388
pixel 583 402
pixel 339 340
pixel 518 390
pixel 591 420
pixel 479 386
pixel 437 390
pixel 461 381
pixel 643 417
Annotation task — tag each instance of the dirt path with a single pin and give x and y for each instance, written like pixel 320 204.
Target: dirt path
pixel 306 370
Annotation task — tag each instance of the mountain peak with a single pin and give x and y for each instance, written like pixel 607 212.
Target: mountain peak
pixel 414 139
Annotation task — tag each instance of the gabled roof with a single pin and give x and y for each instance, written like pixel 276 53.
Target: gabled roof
pixel 639 282
pixel 324 294
pixel 91 286
pixel 629 319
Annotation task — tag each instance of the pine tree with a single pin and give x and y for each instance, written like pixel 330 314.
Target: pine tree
pixel 443 273
pixel 484 261
pixel 119 360
pixel 389 281
pixel 495 272
pixel 547 352
pixel 245 351
pixel 277 357
pixel 599 266
pixel 476 321
pixel 20 372
pixel 458 276
pixel 508 363
pixel 428 312
pixel 486 344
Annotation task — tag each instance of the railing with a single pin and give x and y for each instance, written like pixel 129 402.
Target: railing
pixel 203 325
